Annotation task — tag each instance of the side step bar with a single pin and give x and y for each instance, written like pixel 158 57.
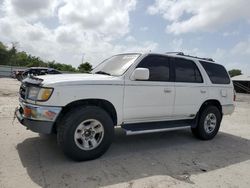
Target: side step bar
pixel 152 127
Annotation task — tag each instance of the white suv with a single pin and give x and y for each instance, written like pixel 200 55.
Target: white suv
pixel 140 93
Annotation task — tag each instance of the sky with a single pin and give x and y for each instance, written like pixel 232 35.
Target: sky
pixel 69 31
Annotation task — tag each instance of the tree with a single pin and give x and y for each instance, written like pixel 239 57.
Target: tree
pixel 2 46
pixel 85 67
pixel 14 58
pixel 3 54
pixel 234 72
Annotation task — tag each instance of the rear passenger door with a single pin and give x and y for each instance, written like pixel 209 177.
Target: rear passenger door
pixel 190 88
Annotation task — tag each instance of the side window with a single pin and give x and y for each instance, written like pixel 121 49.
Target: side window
pixel 159 68
pixel 187 71
pixel 33 72
pixel 217 73
pixel 53 72
pixel 43 72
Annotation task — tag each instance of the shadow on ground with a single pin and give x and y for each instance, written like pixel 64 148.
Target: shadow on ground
pixel 176 154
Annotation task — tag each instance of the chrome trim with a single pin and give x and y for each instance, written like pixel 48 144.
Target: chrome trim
pixel 89 134
pixel 128 132
pixel 40 110
pixel 158 119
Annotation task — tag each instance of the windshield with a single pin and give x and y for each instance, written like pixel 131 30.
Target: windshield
pixel 116 65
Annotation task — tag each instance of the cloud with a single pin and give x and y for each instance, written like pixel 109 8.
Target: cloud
pixel 230 34
pixel 80 27
pixel 234 58
pixel 197 15
pixel 242 48
pixel 108 17
pixel 177 44
pixel 130 39
pixel 144 28
pixel 30 9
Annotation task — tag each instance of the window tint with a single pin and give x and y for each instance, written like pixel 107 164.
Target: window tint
pixel 187 71
pixel 42 72
pixel 52 71
pixel 217 73
pixel 33 72
pixel 158 67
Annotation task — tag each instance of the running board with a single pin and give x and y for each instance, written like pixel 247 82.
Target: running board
pixel 153 127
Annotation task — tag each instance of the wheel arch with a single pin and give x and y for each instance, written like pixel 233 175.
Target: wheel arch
pixel 212 102
pixel 102 103
pixel 209 102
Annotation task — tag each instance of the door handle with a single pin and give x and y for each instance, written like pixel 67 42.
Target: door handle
pixel 203 91
pixel 167 90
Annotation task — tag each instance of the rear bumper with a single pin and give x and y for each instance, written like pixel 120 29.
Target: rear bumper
pixel 228 109
pixel 41 119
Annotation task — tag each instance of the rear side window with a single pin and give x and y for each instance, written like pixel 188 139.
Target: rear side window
pixel 217 73
pixel 187 71
pixel 159 68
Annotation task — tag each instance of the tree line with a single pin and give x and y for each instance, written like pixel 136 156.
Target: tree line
pixel 12 57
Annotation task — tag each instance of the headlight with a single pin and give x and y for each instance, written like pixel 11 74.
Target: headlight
pixel 39 93
pixel 33 92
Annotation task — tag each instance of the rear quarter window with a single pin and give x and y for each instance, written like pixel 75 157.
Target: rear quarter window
pixel 217 73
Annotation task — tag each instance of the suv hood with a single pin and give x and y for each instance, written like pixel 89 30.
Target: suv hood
pixel 73 79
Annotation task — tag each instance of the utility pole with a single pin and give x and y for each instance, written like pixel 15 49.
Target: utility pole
pixel 14 47
pixel 83 57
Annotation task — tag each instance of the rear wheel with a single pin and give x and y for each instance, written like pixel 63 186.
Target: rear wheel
pixel 208 124
pixel 85 133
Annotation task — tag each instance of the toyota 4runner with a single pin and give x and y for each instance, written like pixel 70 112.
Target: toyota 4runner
pixel 141 93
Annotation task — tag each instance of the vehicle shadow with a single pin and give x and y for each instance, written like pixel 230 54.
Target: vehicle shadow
pixel 176 154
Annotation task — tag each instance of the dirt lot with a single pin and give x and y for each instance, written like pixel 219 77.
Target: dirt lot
pixel 170 159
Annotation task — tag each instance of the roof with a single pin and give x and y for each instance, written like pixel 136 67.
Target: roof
pixel 181 54
pixel 190 56
pixel 39 67
pixel 241 78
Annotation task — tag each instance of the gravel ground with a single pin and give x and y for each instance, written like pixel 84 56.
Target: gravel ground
pixel 169 159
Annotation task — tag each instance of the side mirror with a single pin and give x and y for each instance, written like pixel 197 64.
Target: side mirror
pixel 140 74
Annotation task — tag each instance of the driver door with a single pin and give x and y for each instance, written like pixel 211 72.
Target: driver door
pixel 153 99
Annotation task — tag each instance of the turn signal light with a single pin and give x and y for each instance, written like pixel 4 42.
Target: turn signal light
pixel 27 112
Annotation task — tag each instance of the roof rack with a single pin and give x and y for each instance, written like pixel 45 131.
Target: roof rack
pixel 176 53
pixel 182 54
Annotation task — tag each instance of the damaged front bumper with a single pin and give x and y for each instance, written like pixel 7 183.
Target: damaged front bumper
pixel 37 118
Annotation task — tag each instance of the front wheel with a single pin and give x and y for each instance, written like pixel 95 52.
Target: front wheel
pixel 85 133
pixel 208 124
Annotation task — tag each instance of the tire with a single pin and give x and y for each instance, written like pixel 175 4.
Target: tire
pixel 73 128
pixel 44 135
pixel 205 129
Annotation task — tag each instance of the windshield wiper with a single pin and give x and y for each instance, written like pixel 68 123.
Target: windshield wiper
pixel 102 72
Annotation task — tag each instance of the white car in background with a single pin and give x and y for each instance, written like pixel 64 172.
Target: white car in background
pixel 141 93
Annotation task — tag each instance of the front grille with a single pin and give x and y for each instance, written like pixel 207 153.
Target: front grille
pixel 22 91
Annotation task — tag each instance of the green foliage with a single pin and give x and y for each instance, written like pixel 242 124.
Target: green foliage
pixel 14 58
pixel 4 55
pixel 234 72
pixel 2 46
pixel 85 67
